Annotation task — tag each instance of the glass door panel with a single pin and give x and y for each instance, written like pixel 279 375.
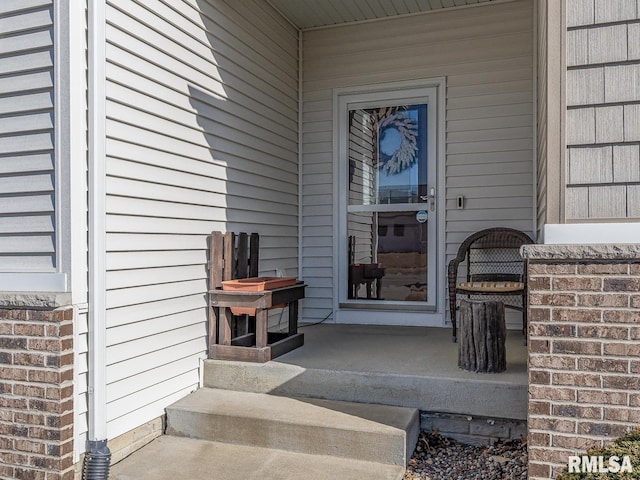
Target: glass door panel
pixel 387 155
pixel 390 204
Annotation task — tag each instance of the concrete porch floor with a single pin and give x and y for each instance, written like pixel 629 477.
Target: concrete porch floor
pixel 420 351
pixel 403 366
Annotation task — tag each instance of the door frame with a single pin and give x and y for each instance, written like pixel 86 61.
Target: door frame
pixel 370 313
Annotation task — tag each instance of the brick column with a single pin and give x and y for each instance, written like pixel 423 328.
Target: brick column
pixel 36 385
pixel 584 356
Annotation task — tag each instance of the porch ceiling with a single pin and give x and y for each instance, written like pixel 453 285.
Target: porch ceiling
pixel 307 14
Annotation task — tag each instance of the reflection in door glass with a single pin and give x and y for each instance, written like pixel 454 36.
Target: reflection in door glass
pixel 387 155
pixel 386 222
pixel 387 256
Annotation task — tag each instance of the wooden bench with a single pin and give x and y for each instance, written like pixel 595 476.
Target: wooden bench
pixel 231 257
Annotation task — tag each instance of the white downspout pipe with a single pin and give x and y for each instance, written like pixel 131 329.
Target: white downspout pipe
pixel 97 455
pixel 300 157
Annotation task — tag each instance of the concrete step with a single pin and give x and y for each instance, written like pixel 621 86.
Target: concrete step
pixel 171 458
pixel 372 433
pixel 459 393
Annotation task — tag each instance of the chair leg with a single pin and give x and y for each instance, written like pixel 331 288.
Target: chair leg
pixel 452 313
pixel 524 318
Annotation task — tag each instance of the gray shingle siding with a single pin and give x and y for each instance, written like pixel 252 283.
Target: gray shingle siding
pixel 603 117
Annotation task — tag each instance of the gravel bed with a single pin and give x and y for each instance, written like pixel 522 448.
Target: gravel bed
pixel 440 458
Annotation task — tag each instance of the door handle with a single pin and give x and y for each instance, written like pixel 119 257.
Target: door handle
pixel 431 198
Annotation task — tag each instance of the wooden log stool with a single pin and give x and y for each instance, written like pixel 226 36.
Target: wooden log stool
pixel 481 347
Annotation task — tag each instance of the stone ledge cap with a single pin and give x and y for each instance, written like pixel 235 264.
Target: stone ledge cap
pixel 48 300
pixel 581 252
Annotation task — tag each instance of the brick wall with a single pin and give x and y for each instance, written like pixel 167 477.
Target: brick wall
pixel 584 355
pixel 36 385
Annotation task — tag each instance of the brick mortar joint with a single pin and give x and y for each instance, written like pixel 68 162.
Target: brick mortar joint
pixel 574 356
pixel 35 321
pixel 572 435
pixel 620 406
pixel 46 353
pixel 58 386
pixel 580 309
pixel 582 340
pixel 545 447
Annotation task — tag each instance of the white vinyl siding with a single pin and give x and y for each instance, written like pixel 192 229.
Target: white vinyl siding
pixel 81 378
pixel 202 108
pixel 486 55
pixel 27 211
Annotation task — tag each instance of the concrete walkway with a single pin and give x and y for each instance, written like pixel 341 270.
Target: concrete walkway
pixel 177 458
pixel 228 435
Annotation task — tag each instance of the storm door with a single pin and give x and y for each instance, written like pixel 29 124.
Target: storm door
pixel 389 216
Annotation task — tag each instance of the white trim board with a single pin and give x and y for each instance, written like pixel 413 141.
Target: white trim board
pixel 591 233
pixel 97 398
pixel 33 282
pixel 389 317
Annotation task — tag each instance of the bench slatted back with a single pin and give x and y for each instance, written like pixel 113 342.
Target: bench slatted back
pixel 232 256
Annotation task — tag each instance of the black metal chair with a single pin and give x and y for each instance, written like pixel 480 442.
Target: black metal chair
pixel 494 267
